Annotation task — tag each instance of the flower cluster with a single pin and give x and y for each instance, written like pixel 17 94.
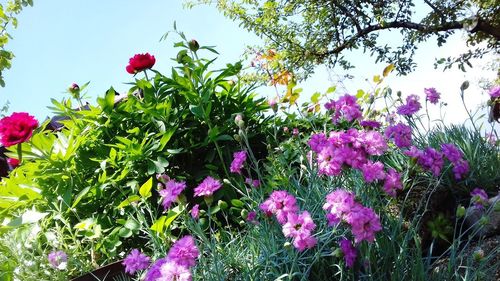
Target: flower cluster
pixel 169 191
pixel 239 159
pixel 352 148
pixel 432 95
pixel 346 107
pixel 432 160
pixel 177 264
pixel 342 207
pixel 412 106
pixel 17 128
pixel 207 187
pixel 140 62
pixel 135 261
pixel 297 226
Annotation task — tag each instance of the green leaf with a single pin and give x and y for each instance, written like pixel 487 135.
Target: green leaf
pixel 197 111
pixel 145 190
pixel 132 224
pixel 315 97
pixel 131 199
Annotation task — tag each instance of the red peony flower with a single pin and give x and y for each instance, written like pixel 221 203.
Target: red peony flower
pixel 13 162
pixel 140 62
pixel 17 128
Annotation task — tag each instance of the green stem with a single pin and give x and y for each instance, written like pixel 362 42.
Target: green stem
pixel 19 152
pixel 146 74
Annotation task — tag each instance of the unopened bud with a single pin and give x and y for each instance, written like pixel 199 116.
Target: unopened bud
pixel 464 85
pixel 478 255
pixel 74 90
pixel 460 211
pixel 193 45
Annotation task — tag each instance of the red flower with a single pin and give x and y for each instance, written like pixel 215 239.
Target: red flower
pixel 13 162
pixel 140 62
pixel 17 128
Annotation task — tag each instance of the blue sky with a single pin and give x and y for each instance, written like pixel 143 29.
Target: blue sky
pixel 60 42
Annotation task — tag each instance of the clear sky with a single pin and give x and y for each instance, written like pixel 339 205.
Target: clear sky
pixel 60 42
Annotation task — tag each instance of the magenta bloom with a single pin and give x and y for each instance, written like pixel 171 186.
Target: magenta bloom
pixel 460 169
pixel 432 95
pixel 171 192
pixel 370 124
pixel 154 272
pixel 364 223
pixel 317 142
pixel 171 271
pixel 195 211
pixel 373 171
pixel 251 217
pixel 239 159
pixel 431 160
pixel 412 106
pixel 280 203
pixel 338 204
pixel 413 152
pixel 207 187
pixel 346 107
pixel 349 252
pixel 373 142
pixel 479 198
pixel 495 91
pixel 17 128
pixel 254 183
pixel 184 252
pixel 451 152
pixel 58 259
pixel 401 134
pixel 392 182
pixel 135 261
pixel 303 241
pixel 298 224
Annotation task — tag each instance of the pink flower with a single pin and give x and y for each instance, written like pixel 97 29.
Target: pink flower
pixel 135 261
pixel 303 241
pixel 13 162
pixel 413 152
pixel 171 271
pixel 207 187
pixel 373 142
pixel 392 182
pixel 140 62
pixel 254 183
pixel 364 223
pixel 295 132
pixel 17 128
pixel 346 107
pixel 451 152
pixel 401 134
pixel 495 91
pixel 349 252
pixel 184 252
pixel 338 204
pixel 195 211
pixel 171 192
pixel 431 160
pixel 373 171
pixel 412 106
pixel 317 142
pixel 280 203
pixel 432 95
pixel 239 159
pixel 297 225
pixel 460 169
pixel 251 217
pixel 58 259
pixel 479 198
pixel 370 124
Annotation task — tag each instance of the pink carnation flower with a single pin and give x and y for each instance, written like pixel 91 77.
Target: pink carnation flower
pixel 207 187
pixel 172 271
pixel 364 223
pixel 239 159
pixel 349 252
pixel 184 252
pixel 338 204
pixel 280 203
pixel 373 171
pixel 392 182
pixel 135 261
pixel 373 142
pixel 401 134
pixel 171 192
pixel 432 95
pixel 412 106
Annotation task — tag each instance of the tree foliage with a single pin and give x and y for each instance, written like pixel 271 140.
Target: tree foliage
pixel 314 32
pixel 8 13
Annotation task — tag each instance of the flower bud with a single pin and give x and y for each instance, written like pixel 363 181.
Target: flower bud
pixel 222 204
pixel 287 245
pixel 478 255
pixel 74 90
pixel 464 86
pixel 460 211
pixel 237 137
pixel 193 45
pixel 226 181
